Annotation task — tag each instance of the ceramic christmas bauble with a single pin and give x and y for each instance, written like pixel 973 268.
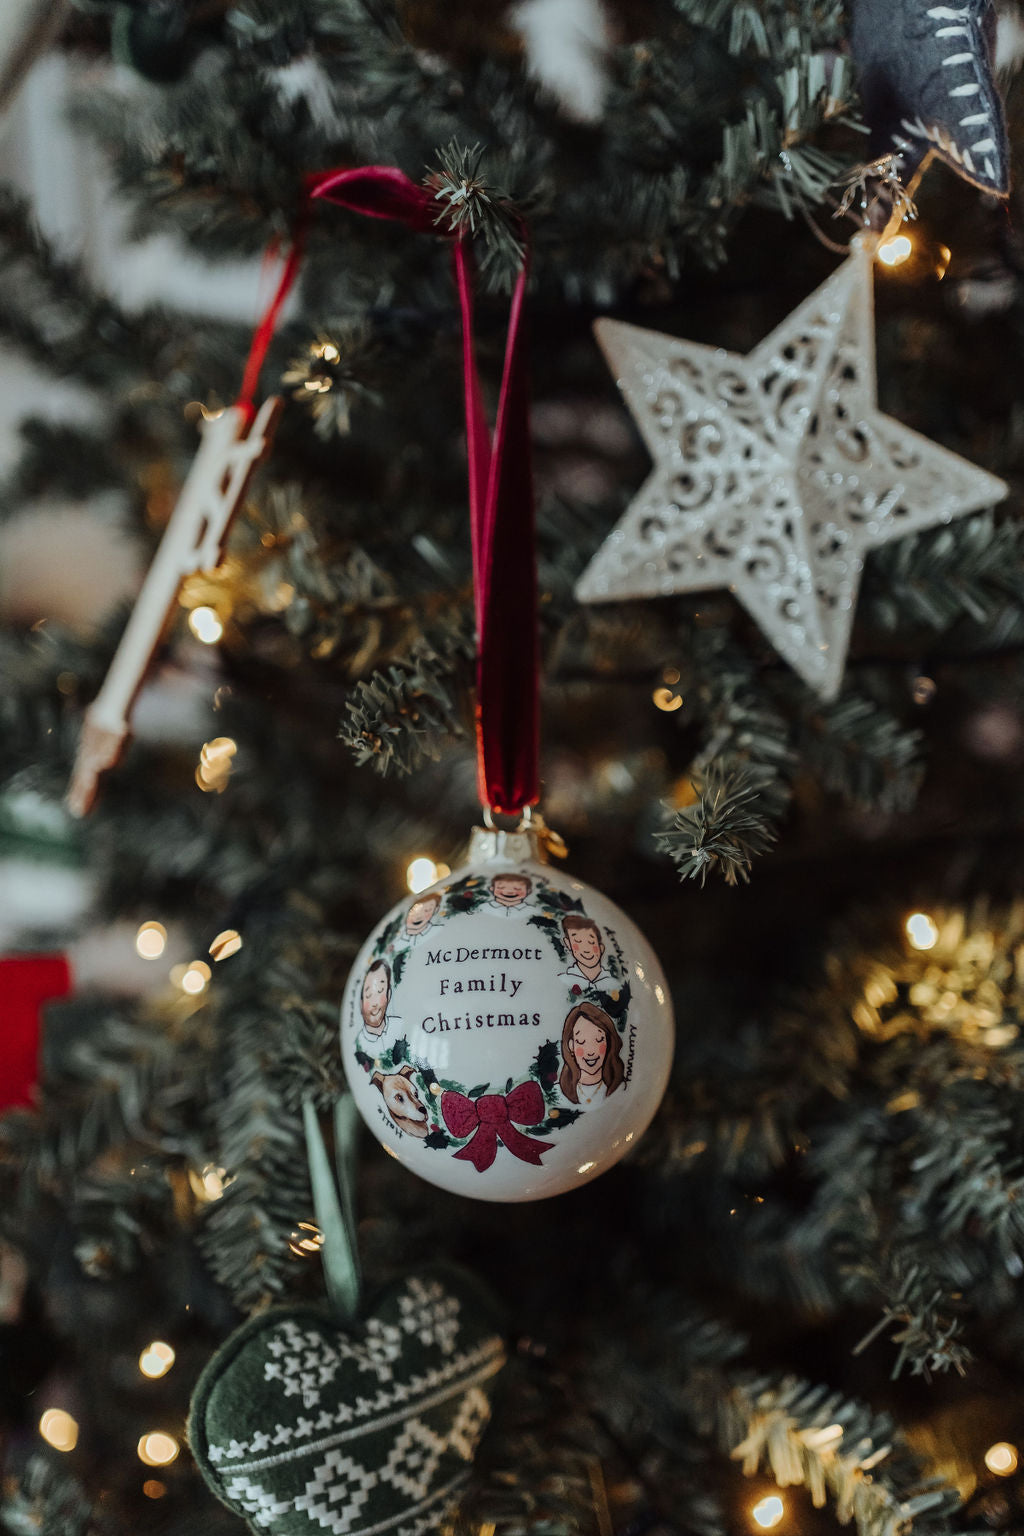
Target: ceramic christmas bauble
pixel 508 1033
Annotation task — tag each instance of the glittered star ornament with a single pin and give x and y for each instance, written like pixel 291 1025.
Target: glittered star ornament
pixel 775 473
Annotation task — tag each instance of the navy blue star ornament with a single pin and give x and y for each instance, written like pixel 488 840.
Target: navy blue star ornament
pixel 927 86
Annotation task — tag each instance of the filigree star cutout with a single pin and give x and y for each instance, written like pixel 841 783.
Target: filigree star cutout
pixel 775 473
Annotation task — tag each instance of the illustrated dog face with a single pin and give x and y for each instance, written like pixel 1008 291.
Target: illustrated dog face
pixel 402 1101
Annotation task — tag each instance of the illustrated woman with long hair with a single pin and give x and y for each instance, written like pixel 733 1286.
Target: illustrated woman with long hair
pixel 592 1054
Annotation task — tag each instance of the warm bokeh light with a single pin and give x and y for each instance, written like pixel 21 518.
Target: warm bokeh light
pixel 59 1429
pixel 420 873
pixel 153 1488
pixel 1002 1458
pixel 156 1359
pixel 895 251
pixel 194 978
pixel 226 944
pixel 208 1182
pixel 921 930
pixel 158 1449
pixel 306 1239
pixel 665 699
pixel 151 940
pixel 205 625
pixel 769 1512
pixel 215 764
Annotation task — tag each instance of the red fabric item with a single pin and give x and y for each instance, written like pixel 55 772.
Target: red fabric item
pixel 26 982
pixel 379 191
pixel 500 505
pixel 490 1116
pixel 264 331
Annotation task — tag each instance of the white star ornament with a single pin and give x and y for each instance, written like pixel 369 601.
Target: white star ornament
pixel 775 473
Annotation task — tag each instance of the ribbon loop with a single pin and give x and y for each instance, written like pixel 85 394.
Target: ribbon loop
pixel 380 192
pixel 500 504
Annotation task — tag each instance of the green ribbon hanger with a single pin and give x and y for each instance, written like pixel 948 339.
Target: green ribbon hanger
pixel 334 1204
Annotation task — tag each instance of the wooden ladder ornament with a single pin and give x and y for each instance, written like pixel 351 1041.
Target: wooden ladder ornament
pixel 232 443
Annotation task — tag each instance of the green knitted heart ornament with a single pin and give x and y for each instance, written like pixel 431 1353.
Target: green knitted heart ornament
pixel 304 1426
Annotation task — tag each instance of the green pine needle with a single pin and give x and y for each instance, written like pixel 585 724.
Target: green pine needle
pixel 726 828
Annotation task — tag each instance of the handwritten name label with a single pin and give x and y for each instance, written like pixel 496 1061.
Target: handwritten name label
pixel 462 954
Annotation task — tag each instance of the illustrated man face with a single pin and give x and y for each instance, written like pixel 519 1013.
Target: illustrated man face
pixel 587 947
pixel 589 1047
pixel 376 995
pixel 510 890
pixel 421 914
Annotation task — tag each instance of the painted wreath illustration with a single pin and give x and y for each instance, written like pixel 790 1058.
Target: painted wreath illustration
pixel 566 1078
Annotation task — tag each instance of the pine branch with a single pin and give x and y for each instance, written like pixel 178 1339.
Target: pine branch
pixel 726 828
pixel 280 1049
pixel 808 1436
pixel 401 718
pixel 862 751
pixel 973 570
pixel 469 205
pixel 47 1501
pixel 741 774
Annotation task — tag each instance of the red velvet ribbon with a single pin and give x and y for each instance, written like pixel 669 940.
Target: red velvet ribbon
pixel 263 334
pixel 26 982
pixel 500 504
pixel 490 1118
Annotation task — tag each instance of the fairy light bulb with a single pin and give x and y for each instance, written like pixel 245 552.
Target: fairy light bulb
pixel 151 940
pixel 226 944
pixel 665 699
pixel 158 1449
pixel 209 1182
pixel 205 625
pixel 195 978
pixel 1002 1458
pixel 59 1429
pixel 896 250
pixel 420 873
pixel 306 1239
pixel 215 764
pixel 156 1359
pixel 921 930
pixel 769 1512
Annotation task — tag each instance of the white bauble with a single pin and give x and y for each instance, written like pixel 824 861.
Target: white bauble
pixel 507 1034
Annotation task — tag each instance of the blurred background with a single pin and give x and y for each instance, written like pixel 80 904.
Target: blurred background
pixel 797 1304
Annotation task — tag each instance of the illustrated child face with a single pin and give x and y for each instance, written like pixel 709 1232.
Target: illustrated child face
pixel 510 890
pixel 586 946
pixel 589 1047
pixel 376 992
pixel 421 914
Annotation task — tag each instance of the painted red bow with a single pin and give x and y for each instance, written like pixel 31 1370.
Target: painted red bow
pixel 491 1116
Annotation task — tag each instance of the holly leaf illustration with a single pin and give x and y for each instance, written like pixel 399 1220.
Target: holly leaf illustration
pixel 545 1064
pixel 437 1140
pixel 400 1052
pixel 475 1093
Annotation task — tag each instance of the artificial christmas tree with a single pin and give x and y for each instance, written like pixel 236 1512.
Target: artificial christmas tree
pixel 795 1302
